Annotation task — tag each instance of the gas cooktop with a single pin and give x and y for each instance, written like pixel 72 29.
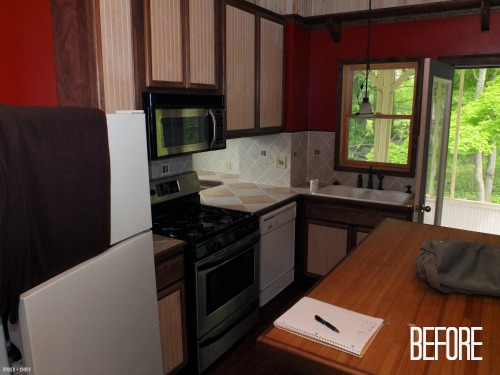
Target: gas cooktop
pixel 197 222
pixel 178 213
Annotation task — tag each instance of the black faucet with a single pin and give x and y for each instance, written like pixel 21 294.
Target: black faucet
pixel 360 180
pixel 380 179
pixel 371 172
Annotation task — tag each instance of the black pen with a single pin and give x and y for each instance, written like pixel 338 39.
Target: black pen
pixel 324 322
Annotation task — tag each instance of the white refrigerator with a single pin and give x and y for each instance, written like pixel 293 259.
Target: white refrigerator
pixel 101 317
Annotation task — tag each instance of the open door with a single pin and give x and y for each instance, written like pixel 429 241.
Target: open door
pixel 434 130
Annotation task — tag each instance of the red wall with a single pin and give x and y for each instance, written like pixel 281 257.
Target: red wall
pixel 425 38
pixel 297 43
pixel 27 65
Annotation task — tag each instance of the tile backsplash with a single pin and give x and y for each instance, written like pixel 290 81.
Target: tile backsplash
pixel 284 159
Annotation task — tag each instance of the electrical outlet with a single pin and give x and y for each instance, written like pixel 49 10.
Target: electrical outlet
pixel 281 162
pixel 164 168
pixel 228 166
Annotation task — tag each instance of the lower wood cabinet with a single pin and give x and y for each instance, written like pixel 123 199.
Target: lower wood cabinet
pixel 172 327
pixel 169 268
pixel 331 229
pixel 326 246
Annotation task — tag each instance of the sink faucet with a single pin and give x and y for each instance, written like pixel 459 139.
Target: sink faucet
pixel 371 172
pixel 360 181
pixel 380 179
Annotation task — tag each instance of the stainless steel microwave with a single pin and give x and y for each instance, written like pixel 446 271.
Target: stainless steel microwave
pixel 184 123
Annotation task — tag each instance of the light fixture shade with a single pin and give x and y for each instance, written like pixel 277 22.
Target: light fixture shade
pixel 365 109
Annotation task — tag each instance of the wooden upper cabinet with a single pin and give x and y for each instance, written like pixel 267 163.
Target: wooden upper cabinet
pixel 271 74
pixel 116 55
pixel 182 43
pixel 240 69
pixel 253 71
pixel 165 44
pixel 202 32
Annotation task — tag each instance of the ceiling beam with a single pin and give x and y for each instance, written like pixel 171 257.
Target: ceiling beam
pixel 334 22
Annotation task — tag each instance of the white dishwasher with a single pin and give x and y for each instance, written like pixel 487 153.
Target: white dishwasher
pixel 277 251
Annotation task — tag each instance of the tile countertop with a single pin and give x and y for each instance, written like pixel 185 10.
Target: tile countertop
pixel 243 196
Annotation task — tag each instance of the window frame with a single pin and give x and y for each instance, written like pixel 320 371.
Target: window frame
pixel 345 113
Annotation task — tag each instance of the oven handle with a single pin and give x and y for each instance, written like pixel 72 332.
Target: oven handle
pixel 214 125
pixel 229 253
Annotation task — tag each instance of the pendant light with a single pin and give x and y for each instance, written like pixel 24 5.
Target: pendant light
pixel 365 108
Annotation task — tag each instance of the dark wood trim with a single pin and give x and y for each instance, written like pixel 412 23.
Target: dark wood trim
pixel 257 73
pixel 335 28
pixel 97 43
pixel 186 42
pixel 255 9
pixel 473 61
pixel 222 52
pixel 334 22
pixel 138 43
pixel 485 15
pixel 231 134
pixel 74 40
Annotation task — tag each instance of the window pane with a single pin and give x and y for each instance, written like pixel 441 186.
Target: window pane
pixel 379 140
pixel 390 91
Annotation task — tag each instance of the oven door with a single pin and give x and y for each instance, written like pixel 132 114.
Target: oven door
pixel 226 282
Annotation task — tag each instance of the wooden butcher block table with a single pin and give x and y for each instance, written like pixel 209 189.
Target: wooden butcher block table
pixel 379 279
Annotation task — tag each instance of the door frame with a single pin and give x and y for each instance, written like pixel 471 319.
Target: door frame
pixel 457 62
pixel 433 70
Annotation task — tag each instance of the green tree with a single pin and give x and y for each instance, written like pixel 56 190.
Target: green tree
pixel 479 125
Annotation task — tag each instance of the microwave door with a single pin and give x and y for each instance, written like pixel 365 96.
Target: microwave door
pixel 184 130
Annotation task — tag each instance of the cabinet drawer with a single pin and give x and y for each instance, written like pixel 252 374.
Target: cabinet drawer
pixel 169 271
pixel 351 216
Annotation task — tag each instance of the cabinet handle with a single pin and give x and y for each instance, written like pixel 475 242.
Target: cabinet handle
pixel 214 125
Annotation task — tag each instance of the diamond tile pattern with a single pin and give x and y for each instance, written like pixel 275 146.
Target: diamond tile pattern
pixel 309 155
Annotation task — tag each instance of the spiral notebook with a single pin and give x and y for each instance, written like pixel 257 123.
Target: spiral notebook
pixel 355 330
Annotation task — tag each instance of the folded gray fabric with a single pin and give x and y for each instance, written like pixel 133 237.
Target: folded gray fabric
pixel 460 266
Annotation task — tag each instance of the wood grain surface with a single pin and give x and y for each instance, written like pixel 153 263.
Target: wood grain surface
pixel 379 279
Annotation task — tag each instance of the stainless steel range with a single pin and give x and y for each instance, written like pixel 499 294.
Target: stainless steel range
pixel 222 287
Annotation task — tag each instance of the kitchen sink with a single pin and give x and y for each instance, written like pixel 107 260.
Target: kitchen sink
pixel 360 194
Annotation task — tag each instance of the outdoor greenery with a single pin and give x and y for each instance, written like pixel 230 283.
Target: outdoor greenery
pixel 473 161
pixel 362 139
pixel 473 171
pixel 478 136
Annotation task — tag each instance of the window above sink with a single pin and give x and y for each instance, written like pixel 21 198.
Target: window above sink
pixel 388 139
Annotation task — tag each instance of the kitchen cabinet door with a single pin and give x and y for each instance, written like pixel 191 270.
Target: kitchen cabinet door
pixel 326 247
pixel 182 43
pixel 117 56
pixel 202 43
pixel 334 227
pixel 172 328
pixel 240 69
pixel 253 71
pixel 271 74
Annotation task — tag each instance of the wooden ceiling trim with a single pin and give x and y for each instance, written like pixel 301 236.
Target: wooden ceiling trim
pixel 334 22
